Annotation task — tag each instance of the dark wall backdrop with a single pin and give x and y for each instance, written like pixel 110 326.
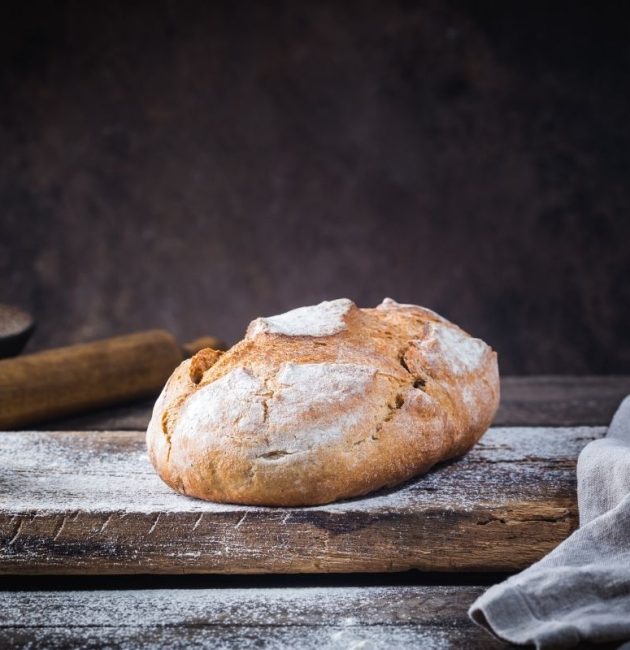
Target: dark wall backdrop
pixel 191 165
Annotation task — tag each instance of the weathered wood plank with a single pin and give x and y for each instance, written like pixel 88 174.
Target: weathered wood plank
pixel 76 502
pixel 346 605
pixel 525 401
pixel 325 617
pixel 560 400
pixel 340 637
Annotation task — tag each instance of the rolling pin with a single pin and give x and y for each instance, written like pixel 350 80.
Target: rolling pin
pixel 69 380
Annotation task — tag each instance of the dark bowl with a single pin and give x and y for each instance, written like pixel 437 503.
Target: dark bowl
pixel 16 327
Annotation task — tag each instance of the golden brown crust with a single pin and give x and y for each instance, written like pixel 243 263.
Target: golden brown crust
pixel 323 403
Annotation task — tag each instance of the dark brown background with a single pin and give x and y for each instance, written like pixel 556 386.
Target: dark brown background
pixel 191 165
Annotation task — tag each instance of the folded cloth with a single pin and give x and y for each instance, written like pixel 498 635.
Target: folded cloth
pixel 580 591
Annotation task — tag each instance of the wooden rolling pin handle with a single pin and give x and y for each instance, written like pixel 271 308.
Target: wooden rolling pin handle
pixel 66 381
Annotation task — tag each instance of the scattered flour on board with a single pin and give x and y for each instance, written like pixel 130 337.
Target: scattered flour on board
pixel 363 617
pixel 243 637
pixel 324 319
pixel 44 472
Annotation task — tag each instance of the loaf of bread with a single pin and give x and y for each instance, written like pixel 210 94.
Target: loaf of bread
pixel 323 403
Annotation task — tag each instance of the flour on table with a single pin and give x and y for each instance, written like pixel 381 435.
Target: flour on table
pixel 324 319
pixel 65 473
pixel 309 618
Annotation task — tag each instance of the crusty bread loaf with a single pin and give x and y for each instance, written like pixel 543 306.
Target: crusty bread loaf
pixel 323 403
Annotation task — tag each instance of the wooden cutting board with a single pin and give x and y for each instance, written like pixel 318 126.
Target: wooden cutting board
pixel 89 502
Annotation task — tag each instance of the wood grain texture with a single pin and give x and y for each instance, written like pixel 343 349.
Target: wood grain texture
pixel 554 401
pixel 325 617
pixel 560 400
pixel 78 502
pixel 242 637
pixel 334 618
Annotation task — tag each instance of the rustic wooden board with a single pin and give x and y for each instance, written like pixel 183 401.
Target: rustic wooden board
pixel 324 617
pixel 525 401
pixel 328 618
pixel 560 400
pixel 85 502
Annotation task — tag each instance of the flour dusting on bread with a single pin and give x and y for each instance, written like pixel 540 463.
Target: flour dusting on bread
pixel 327 398
pixel 389 303
pixel 227 412
pixel 450 346
pixel 234 401
pixel 324 319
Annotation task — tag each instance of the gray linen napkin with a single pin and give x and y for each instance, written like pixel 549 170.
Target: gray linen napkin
pixel 581 590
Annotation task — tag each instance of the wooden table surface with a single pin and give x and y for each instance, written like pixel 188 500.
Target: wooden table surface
pixel 80 498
